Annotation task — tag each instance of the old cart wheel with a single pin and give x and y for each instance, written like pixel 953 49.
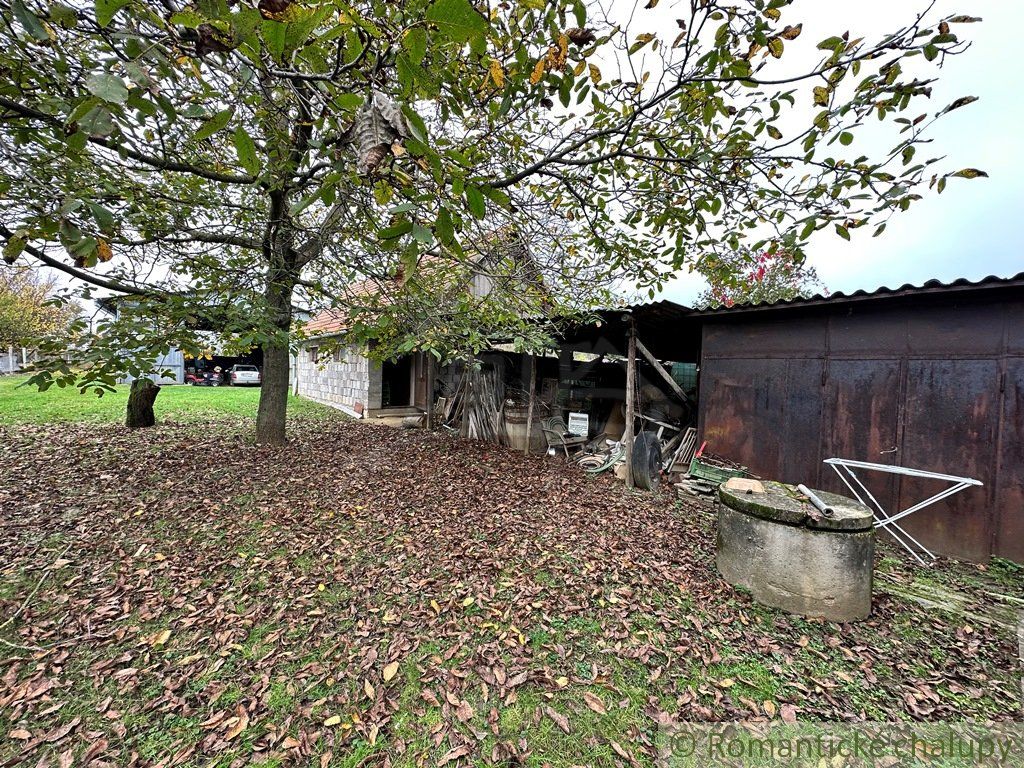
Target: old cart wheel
pixel 646 461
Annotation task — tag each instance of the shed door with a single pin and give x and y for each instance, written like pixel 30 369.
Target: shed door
pixel 952 410
pixel 1009 507
pixel 861 422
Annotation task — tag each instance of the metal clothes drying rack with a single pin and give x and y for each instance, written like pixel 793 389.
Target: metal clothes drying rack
pixel 844 468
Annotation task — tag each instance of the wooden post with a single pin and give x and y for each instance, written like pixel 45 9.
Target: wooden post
pixel 529 409
pixel 627 435
pixel 430 391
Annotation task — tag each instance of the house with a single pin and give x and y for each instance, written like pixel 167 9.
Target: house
pixel 329 369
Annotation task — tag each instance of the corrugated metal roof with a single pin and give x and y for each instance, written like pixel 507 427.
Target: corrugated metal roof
pixel 883 292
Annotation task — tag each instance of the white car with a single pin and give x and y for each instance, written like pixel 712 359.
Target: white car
pixel 245 375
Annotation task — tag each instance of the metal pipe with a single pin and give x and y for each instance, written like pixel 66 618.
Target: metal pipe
pixel 812 497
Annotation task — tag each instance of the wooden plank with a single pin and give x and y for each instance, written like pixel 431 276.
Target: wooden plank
pixel 627 435
pixel 430 391
pixel 529 409
pixel 661 370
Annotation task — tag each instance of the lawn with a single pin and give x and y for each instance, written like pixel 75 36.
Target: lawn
pixel 371 596
pixel 22 404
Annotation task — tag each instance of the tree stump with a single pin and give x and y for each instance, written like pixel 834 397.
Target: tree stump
pixel 140 404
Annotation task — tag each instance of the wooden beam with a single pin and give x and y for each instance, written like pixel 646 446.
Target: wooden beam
pixel 627 435
pixel 430 390
pixel 661 370
pixel 529 409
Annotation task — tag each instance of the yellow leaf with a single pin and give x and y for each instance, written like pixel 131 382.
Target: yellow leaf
pixel 332 720
pixel 538 72
pixel 103 252
pixel 467 602
pixel 368 688
pixel 770 709
pixel 436 607
pixel 320 587
pixel 773 13
pixel 562 682
pixel 497 73
pixel 390 671
pixel 595 74
pixel 727 683
pixel 160 638
pixel 821 96
pixel 775 47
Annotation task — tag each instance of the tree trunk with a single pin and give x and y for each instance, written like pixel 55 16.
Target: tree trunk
pixel 270 419
pixel 273 408
pixel 140 404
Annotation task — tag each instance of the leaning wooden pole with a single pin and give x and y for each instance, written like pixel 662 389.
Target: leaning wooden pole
pixel 529 408
pixel 627 435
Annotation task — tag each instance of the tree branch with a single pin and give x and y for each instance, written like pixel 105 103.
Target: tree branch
pixel 79 274
pixel 158 163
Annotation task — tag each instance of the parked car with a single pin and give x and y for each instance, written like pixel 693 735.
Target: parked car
pixel 207 379
pixel 245 375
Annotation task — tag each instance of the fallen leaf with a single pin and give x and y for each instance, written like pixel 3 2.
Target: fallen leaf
pixel 594 702
pixel 61 731
pixel 390 671
pixel 558 718
pixel 240 725
pixel 454 754
pixel 332 720
pixel 19 733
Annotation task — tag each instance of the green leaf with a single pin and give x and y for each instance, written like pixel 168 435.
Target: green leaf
pixel 214 124
pixel 416 44
pixel 348 102
pixel 842 232
pixel 105 10
pixel 475 201
pixel 908 154
pixel 274 35
pixel 245 148
pixel 419 128
pixel 104 219
pixel 28 20
pixel 396 231
pixel 774 132
pixel 831 43
pixel 775 47
pixel 846 138
pixel 443 226
pixel 422 234
pixel 457 20
pixel 107 86
pixel 13 249
pixel 187 18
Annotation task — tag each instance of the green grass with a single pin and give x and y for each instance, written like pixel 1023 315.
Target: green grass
pixel 25 405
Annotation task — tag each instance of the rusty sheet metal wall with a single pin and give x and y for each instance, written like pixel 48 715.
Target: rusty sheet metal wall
pixel 923 384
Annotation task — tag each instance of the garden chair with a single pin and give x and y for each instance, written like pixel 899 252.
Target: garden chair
pixel 559 437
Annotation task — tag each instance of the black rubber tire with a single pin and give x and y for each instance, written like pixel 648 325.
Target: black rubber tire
pixel 646 461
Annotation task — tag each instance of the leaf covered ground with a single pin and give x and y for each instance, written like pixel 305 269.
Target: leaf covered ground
pixel 371 596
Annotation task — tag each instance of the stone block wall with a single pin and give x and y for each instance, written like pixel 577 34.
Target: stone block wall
pixel 347 378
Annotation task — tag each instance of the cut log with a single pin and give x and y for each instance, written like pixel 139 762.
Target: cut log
pixel 140 404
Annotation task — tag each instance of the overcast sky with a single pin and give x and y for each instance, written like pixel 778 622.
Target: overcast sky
pixel 976 227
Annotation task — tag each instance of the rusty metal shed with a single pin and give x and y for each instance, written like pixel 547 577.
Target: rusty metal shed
pixel 929 376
